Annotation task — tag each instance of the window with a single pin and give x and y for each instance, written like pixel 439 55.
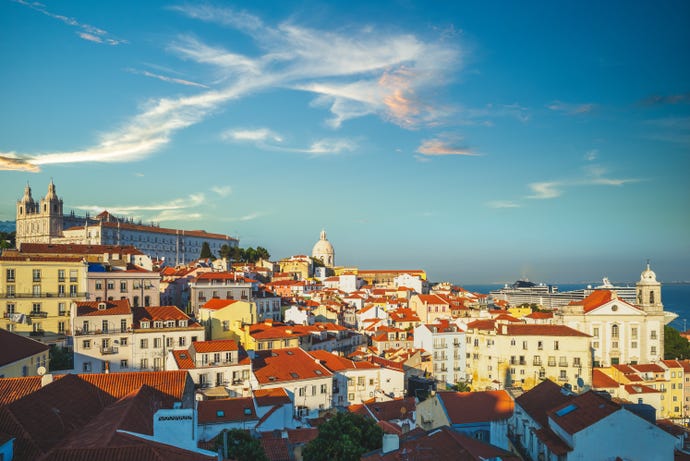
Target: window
pixel 512 342
pixel 144 324
pixel 169 342
pixel 104 326
pixel 61 327
pixel 72 275
pixel 36 275
pixel 652 334
pixel 633 332
pixel 61 309
pixel 10 275
pixel 123 325
pixel 595 332
pixel 540 345
pixel 144 343
pixel 85 326
pixel 181 340
pixel 158 324
pixel 652 350
pixel 86 344
pixel 123 287
pixel 123 363
pixel 563 375
pixel 99 285
pixel 360 381
pixel 36 290
pixel 10 291
pixel 614 331
pixel 313 390
pixel 169 324
pixel 147 301
pixel 156 343
pixel 144 364
pixel 86 367
pixel 36 308
pixel 633 345
pixel 10 308
pixel 301 392
pixel 111 285
pixel 61 275
pixel 324 389
pixel 524 345
pixel 555 345
pixel 123 341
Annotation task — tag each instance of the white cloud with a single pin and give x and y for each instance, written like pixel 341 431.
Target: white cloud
pixel 571 109
pixel 591 155
pixel 503 204
pixel 353 72
pixel 254 135
pixel 443 147
pixel 178 204
pixel 165 78
pixel 86 31
pixel 223 191
pixel 545 190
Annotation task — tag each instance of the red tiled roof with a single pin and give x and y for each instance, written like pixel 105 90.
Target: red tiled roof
pixel 226 410
pixel 589 408
pixel 73 248
pixel 269 397
pixel 217 345
pixel 14 347
pixel 216 303
pixel 432 299
pixel 161 313
pixel 472 407
pixel 118 385
pixel 286 365
pixel 540 399
pixel 601 380
pixel 482 324
pixel 640 389
pixel 115 307
pixel 386 411
pixel 543 330
pixel 540 315
pixel 648 368
pixel 12 389
pixel 163 230
pixel 275 448
pixel 46 259
pixel 183 359
pixel 336 363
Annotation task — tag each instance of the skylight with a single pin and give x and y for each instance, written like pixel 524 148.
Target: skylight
pixel 294 375
pixel 318 372
pixel 220 414
pixel 565 410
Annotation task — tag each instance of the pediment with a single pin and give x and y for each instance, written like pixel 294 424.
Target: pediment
pixel 616 307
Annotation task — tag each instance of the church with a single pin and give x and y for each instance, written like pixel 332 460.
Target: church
pixel 622 332
pixel 45 222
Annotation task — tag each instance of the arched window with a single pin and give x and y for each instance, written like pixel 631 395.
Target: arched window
pixel 614 331
pixel 651 297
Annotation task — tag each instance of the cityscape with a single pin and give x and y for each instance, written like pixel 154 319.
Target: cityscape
pixel 315 231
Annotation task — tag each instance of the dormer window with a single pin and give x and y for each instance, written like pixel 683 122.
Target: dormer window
pixel 145 324
pixel 169 324
pixel 182 323
pixel 158 324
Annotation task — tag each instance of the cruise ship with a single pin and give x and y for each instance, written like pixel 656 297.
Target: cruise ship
pixel 548 296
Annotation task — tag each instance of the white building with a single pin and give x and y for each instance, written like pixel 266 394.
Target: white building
pixel 552 424
pixel 358 382
pixel 445 341
pixel 158 330
pixel 214 363
pixel 324 251
pixel 308 383
pixel 622 332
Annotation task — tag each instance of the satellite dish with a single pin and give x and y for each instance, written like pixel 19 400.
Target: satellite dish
pixel 41 371
pixel 580 382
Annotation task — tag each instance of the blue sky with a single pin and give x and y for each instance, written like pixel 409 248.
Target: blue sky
pixel 480 141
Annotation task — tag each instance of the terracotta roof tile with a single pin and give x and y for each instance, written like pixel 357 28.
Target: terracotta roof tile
pixel 472 407
pixel 542 398
pixel 115 307
pixel 601 380
pixel 286 365
pixel 226 410
pixel 542 330
pixel 582 411
pixel 337 363
pixel 269 397
pixel 217 303
pixel 217 345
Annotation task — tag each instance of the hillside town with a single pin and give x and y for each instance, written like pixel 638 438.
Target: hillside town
pixel 122 340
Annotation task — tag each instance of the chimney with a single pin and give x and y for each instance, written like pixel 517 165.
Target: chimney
pixel 46 379
pixel 391 442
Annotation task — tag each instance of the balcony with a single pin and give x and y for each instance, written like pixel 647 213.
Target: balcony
pixel 38 314
pixel 82 332
pixel 109 350
pixel 42 295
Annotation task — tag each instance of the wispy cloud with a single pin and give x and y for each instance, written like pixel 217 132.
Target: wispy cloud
pixel 545 190
pixel 164 78
pixel 591 155
pixel 662 100
pixel 10 161
pixel 353 72
pixel 571 109
pixel 223 191
pixel 503 204
pixel 439 146
pixel 84 31
pixel 175 209
pixel 254 135
pixel 670 129
pixel 248 217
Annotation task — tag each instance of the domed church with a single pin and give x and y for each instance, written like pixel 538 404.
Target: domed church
pixel 324 251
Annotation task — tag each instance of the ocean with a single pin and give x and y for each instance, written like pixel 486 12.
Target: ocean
pixel 675 297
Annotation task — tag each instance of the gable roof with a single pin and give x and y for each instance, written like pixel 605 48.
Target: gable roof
pixel 115 307
pixel 541 398
pixel 226 410
pixel 286 365
pixel 386 411
pixel 474 407
pixel 269 397
pixel 582 411
pixel 337 363
pixel 14 347
pixel 216 345
pixel 217 303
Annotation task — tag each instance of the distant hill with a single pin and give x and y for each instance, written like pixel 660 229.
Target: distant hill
pixel 7 226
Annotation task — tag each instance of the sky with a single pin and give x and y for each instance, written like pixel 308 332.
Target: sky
pixel 481 141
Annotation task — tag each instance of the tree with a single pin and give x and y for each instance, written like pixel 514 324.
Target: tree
pixel 675 346
pixel 460 387
pixel 241 446
pixel 206 251
pixel 60 358
pixel 262 253
pixel 345 437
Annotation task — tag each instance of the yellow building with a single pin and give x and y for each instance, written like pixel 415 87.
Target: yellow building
pixel 502 355
pixel 20 356
pixel 519 312
pixel 300 266
pixel 676 374
pixel 225 318
pixel 37 292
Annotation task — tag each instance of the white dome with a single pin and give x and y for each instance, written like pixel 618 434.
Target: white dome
pixel 648 275
pixel 324 250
